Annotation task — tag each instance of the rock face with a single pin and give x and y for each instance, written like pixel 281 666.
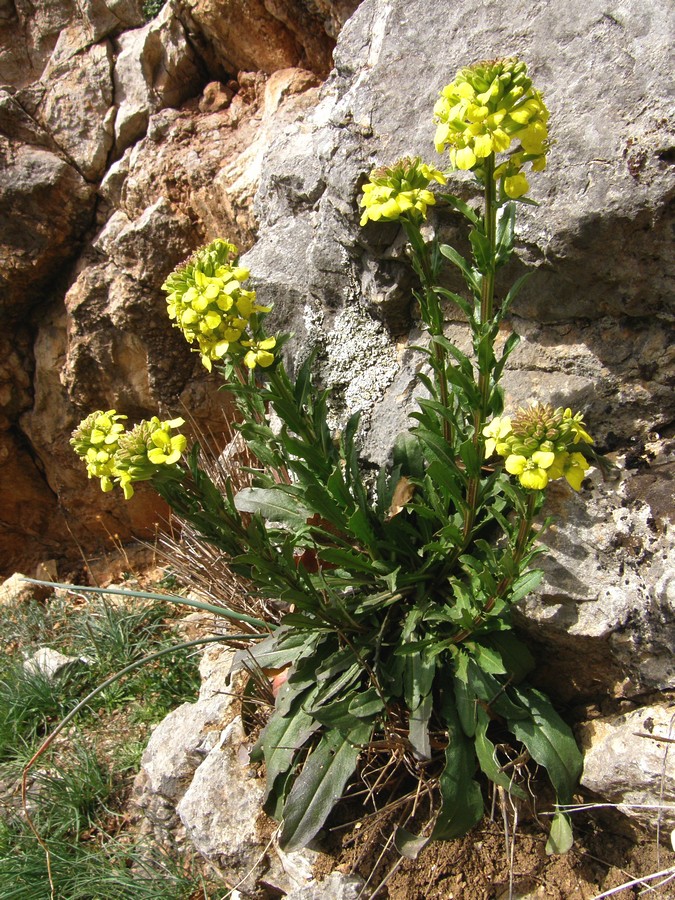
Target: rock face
pixel 628 762
pixel 119 155
pixel 595 317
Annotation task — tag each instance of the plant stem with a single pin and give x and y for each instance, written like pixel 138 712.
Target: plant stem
pixel 486 313
pixel 519 549
pixel 434 319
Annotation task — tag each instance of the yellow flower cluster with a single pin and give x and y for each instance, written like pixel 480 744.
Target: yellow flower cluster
pixel 96 441
pixel 117 456
pixel 207 301
pixel 538 445
pixel 398 190
pixel 491 107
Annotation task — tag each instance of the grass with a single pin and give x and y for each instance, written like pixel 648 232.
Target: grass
pixel 77 790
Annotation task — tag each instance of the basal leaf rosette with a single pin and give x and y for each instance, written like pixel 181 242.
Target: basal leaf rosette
pixel 149 449
pixel 538 445
pixel 492 108
pixel 96 441
pixel 207 301
pixel 399 190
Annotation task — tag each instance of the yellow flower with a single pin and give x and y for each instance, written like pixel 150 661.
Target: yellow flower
pixel 491 107
pixel 96 440
pixel 399 190
pixel 495 432
pixel 538 445
pixel 572 467
pixel 146 451
pixel 532 473
pixel 259 353
pixel 207 301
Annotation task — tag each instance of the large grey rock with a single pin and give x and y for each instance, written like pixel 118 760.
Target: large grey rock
pixel 629 761
pixel 607 604
pixel 595 316
pixel 220 809
pixel 45 205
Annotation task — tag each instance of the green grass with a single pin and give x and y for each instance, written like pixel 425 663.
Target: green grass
pixel 78 788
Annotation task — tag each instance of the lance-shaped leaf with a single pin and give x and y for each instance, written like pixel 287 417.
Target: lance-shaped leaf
pixel 273 504
pixel 320 785
pixel 462 799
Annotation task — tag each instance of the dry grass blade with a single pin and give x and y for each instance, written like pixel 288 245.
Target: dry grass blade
pixel 199 566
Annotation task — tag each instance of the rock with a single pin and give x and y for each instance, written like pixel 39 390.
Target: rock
pixel 626 763
pixel 603 614
pixel 15 590
pixel 156 68
pixel 76 104
pixel 180 743
pixel 51 663
pixel 221 806
pixel 45 205
pixel 335 886
pixel 253 34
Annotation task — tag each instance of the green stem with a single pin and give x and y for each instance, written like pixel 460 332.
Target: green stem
pixel 519 549
pixel 434 322
pixel 486 314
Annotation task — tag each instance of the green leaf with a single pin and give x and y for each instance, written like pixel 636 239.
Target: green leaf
pixel 409 845
pixel 457 258
pixel 407 454
pixel 505 233
pixel 524 585
pixel 280 649
pixel 513 293
pixel 462 207
pixel 275 505
pixel 549 741
pixel 320 784
pixel 517 659
pixel 366 704
pixel 560 838
pixel 462 799
pixel 481 251
pixel 419 679
pixel 486 753
pixel 280 740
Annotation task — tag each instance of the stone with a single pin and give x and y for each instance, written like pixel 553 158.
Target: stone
pixel 51 663
pixel 180 743
pixel 221 806
pixel 336 886
pixel 608 598
pixel 254 34
pixel 76 106
pixel 628 760
pixel 15 590
pixel 594 317
pixel 45 205
pixel 155 68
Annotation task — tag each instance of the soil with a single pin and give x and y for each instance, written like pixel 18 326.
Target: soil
pixel 605 855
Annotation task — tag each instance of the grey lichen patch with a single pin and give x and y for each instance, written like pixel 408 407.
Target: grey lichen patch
pixel 358 361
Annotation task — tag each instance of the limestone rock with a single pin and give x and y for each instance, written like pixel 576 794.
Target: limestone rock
pixel 626 763
pixel 180 743
pixel 156 67
pixel 76 104
pixel 51 663
pixel 44 207
pixel 222 804
pixel 15 590
pixel 255 34
pixel 594 317
pixel 607 604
